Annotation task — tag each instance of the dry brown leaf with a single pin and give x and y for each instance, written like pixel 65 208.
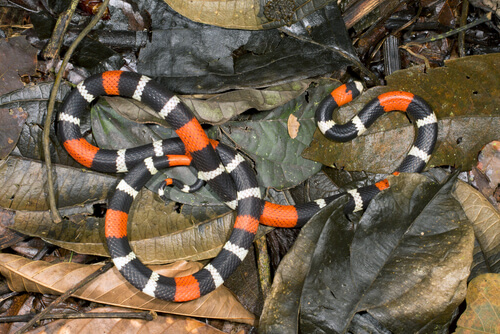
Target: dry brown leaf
pixel 489 161
pixel 293 126
pixel 160 325
pixel 111 288
pixel 483 302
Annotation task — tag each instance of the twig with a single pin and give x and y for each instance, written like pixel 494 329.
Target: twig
pixel 146 315
pixel 51 50
pixel 406 47
pixel 485 18
pixel 463 22
pixel 50 110
pixel 263 265
pixel 65 295
pixel 357 10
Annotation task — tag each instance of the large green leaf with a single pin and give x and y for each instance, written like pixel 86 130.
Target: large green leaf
pixel 265 139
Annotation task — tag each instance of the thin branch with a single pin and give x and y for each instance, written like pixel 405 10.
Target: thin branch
pixel 50 109
pixel 64 296
pixel 463 22
pixel 484 19
pixel 146 315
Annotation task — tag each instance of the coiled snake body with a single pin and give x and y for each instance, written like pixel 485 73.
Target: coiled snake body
pixel 226 171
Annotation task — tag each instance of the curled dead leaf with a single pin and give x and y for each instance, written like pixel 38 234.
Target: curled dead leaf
pixel 111 288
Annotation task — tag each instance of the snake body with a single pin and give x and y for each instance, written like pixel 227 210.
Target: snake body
pixel 225 170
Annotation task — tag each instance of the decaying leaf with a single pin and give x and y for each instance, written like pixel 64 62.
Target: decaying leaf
pixel 111 288
pixel 483 304
pixel 18 51
pixel 489 162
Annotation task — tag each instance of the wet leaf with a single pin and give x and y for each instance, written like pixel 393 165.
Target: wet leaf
pixel 246 14
pixel 264 138
pixel 412 248
pixel 281 308
pixel 485 220
pixel 483 306
pixel 218 60
pixel 464 94
pixel 112 289
pixel 160 325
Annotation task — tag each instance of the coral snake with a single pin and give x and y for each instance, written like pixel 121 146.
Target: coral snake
pixel 226 171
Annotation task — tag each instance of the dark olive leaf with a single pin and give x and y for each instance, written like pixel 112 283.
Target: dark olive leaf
pixel 157 235
pixel 247 14
pixel 32 100
pixel 215 109
pixel 412 248
pixel 464 95
pixel 215 59
pixel 281 308
pixel 132 110
pixel 264 137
